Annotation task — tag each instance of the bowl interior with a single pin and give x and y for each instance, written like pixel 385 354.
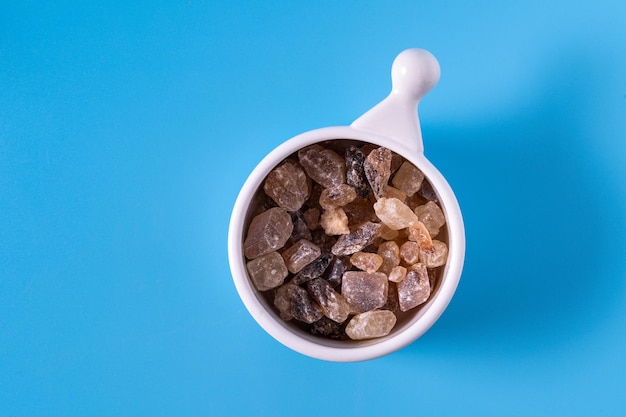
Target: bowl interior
pixel 405 320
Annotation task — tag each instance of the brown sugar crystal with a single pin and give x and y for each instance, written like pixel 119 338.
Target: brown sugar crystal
pixel 390 254
pixel 338 266
pixel 324 166
pixel 293 302
pixel 410 252
pixel 337 196
pixel 287 185
pixel 435 257
pixel 356 240
pixel 368 262
pixel 355 174
pixel 408 178
pixel 377 167
pixel 334 222
pixel 397 273
pixel 431 215
pixel 371 324
pixel 419 233
pixel 333 304
pixel 394 213
pixel 300 228
pixel 268 231
pixel 364 291
pixel 414 289
pixel 267 271
pixel 300 254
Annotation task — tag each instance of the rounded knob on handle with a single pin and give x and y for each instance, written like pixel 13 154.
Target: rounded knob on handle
pixel 413 74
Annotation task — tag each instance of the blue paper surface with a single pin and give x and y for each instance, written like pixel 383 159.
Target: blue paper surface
pixel 127 129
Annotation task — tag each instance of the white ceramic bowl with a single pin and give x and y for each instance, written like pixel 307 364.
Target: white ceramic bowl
pixel 392 123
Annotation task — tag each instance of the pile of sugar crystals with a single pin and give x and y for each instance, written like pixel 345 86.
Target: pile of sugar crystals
pixel 349 239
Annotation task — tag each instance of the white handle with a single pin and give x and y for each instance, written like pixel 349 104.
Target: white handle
pixel 413 74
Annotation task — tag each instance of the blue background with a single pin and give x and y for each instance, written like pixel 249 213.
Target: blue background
pixel 127 129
